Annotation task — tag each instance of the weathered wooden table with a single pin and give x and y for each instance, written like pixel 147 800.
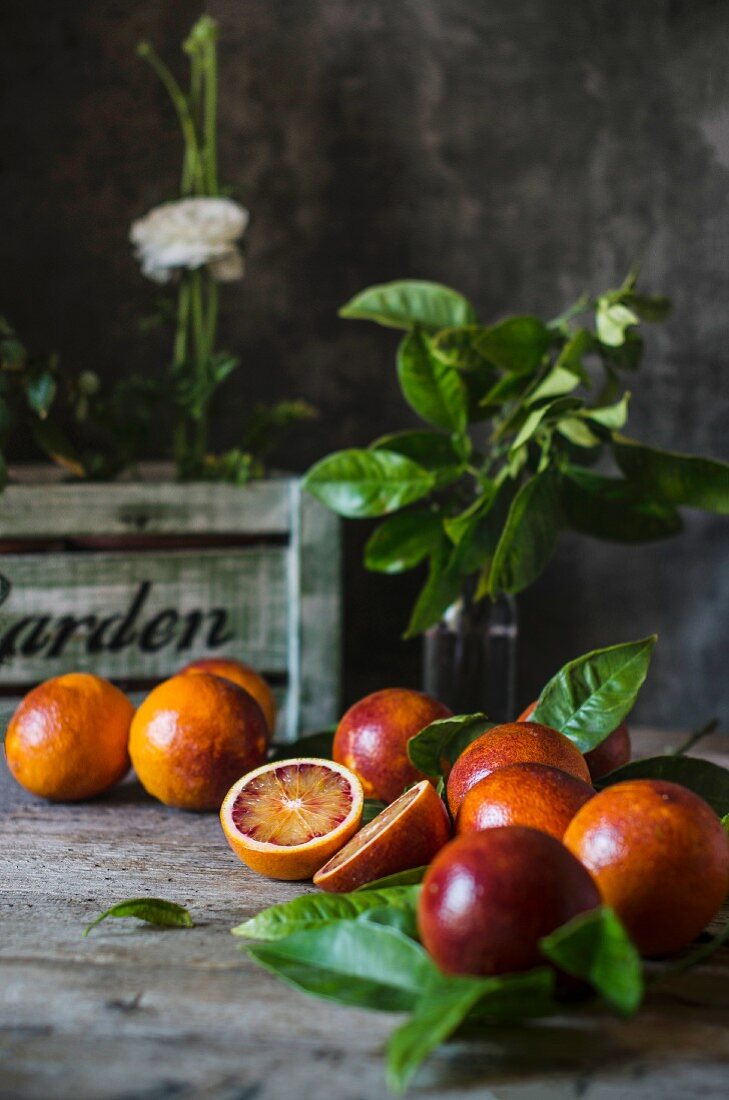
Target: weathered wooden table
pixel 138 1013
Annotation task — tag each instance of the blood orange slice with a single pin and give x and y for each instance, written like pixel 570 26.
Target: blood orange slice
pixel 287 818
pixel 406 834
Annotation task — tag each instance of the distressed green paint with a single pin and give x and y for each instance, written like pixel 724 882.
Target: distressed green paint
pixel 280 602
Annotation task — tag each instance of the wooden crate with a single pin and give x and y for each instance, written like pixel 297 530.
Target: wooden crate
pixel 132 580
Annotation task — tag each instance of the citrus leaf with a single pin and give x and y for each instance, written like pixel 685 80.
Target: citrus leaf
pixel 444 740
pixel 595 946
pixel 402 541
pixel 649 307
pixel 359 483
pixel 674 478
pixel 441 588
pixel 558 382
pixel 165 914
pixel 515 344
pixel 431 450
pixel 708 780
pixel 591 695
pixel 317 910
pixel 413 877
pixel 577 432
pixel 612 319
pixel 352 963
pixel 527 540
pixel 612 508
pixel 409 302
pixel 610 416
pixel 451 1002
pixel 432 388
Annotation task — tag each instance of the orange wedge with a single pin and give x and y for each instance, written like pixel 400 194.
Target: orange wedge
pixel 406 834
pixel 287 818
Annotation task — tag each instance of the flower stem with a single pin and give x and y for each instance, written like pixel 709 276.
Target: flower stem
pixel 192 169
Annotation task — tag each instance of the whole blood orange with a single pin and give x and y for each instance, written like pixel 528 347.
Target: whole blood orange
pixel 242 675
pixel 193 736
pixel 286 818
pixel 406 834
pixel 68 737
pixel 488 898
pixel 512 743
pixel 372 739
pixel 659 856
pixel 536 795
pixel 610 754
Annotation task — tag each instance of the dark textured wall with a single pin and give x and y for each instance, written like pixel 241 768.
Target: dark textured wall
pixel 521 150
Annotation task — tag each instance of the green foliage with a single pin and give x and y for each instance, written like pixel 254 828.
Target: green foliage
pixel 443 741
pixel 315 910
pixel 592 695
pixel 165 914
pixel 551 394
pixel 710 781
pixel 595 947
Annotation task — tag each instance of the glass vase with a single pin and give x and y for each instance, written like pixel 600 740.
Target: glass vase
pixel 469 657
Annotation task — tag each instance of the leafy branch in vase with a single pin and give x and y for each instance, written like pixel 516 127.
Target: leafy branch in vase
pixel 517 415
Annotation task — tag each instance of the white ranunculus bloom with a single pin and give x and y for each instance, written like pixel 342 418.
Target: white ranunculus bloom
pixel 191 233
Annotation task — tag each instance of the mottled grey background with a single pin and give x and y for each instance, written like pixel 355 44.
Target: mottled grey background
pixel 521 150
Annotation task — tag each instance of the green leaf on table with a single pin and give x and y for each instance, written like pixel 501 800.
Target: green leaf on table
pixel 528 537
pixel 433 451
pixel 610 416
pixel 612 319
pixel 708 780
pixel 612 508
pixel 404 919
pixel 432 388
pixel 402 541
pixel 351 962
pixel 592 695
pixel 311 744
pixel 725 822
pixel 674 478
pixel 409 302
pixel 515 344
pixel 360 483
pixel 319 909
pixel 450 1002
pixel 595 946
pixel 165 914
pixel 444 740
pixel 412 877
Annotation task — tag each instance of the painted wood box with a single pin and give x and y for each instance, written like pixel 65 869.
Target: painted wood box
pixel 132 580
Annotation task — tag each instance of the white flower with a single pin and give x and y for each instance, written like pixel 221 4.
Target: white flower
pixel 191 233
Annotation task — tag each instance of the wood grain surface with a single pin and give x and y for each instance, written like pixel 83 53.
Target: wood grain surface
pixel 138 1013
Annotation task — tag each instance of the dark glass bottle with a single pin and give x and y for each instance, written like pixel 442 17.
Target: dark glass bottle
pixel 469 657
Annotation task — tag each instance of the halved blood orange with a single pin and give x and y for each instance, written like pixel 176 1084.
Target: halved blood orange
pixel 406 834
pixel 287 818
